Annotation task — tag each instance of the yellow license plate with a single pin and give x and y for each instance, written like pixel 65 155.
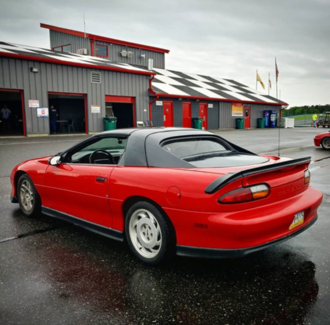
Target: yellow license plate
pixel 297 220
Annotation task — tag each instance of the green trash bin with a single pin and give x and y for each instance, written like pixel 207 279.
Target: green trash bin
pixel 240 123
pixel 110 123
pixel 197 122
pixel 261 123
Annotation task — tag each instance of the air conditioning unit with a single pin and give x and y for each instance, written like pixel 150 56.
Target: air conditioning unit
pixel 130 54
pixel 82 51
pixel 123 53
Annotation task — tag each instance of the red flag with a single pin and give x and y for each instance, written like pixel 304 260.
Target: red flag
pixel 276 70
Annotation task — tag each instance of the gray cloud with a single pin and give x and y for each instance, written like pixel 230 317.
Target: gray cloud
pixel 229 39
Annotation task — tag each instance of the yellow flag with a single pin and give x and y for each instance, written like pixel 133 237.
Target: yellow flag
pixel 259 79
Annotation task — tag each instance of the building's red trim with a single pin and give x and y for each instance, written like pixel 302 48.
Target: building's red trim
pixel 119 99
pixel 49 60
pixel 103 39
pixel 23 106
pixel 216 99
pixel 23 111
pixel 122 99
pixel 92 46
pixel 78 95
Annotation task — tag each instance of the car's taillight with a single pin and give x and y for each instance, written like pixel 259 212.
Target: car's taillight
pixel 245 194
pixel 307 176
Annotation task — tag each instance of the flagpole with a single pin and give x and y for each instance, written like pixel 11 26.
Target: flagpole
pixel 257 79
pixel 268 82
pixel 276 78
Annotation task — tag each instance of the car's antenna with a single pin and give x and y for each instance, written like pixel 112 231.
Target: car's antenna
pixel 279 135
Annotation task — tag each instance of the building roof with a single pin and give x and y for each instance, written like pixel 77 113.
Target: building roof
pixel 168 83
pixel 39 54
pixel 103 38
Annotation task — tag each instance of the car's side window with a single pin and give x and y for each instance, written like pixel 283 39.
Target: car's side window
pixel 103 151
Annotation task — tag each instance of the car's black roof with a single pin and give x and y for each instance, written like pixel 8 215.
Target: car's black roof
pixel 143 147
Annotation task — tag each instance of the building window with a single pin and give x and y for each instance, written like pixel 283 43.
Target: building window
pixel 63 48
pixel 102 51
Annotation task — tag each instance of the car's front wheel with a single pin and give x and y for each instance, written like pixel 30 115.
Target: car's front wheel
pixel 28 197
pixel 149 234
pixel 326 143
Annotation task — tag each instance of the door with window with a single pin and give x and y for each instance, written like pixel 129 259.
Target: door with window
pixel 80 185
pixel 186 114
pixel 168 113
pixel 247 117
pixel 203 114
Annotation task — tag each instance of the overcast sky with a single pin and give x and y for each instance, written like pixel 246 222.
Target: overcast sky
pixel 221 38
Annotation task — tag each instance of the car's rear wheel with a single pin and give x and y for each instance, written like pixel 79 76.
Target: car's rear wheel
pixel 326 143
pixel 149 233
pixel 28 198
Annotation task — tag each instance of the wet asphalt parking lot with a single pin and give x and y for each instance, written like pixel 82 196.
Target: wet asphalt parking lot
pixel 52 272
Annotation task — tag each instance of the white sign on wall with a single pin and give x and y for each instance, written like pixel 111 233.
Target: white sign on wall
pixel 42 112
pixel 95 109
pixel 159 103
pixel 210 105
pixel 34 103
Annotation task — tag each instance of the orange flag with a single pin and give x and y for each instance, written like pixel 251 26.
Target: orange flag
pixel 259 79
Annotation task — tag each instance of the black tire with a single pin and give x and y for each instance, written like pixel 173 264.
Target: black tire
pixel 28 197
pixel 325 143
pixel 149 234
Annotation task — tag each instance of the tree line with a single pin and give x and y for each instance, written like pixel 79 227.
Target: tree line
pixel 301 110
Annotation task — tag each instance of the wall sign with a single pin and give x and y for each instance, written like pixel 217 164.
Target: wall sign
pixel 159 103
pixel 95 109
pixel 237 109
pixel 210 105
pixel 34 103
pixel 42 112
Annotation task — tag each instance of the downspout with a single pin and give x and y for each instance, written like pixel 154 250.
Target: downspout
pixel 152 92
pixel 92 46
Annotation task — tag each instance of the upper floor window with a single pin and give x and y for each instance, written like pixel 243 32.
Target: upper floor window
pixel 101 50
pixel 63 48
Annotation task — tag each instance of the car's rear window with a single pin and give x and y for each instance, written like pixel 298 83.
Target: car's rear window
pixel 191 148
pixel 209 153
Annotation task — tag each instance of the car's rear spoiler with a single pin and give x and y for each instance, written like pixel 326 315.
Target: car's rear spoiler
pixel 224 180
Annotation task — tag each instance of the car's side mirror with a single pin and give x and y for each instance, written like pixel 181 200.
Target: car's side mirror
pixel 54 161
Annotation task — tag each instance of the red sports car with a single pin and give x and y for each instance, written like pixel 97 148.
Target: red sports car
pixel 323 139
pixel 171 190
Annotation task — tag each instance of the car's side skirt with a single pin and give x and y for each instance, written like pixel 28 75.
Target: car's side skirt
pixel 104 231
pixel 233 253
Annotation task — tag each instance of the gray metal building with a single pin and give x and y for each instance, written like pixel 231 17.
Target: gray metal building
pixel 68 40
pixel 33 78
pixel 87 77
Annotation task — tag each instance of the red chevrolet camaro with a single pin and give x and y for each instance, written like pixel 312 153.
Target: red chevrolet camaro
pixel 171 190
pixel 323 140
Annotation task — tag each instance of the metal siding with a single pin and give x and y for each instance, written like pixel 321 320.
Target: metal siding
pixel 225 118
pixel 177 112
pixel 157 115
pixel 194 109
pixel 58 39
pixel 58 78
pixel 213 116
pixel 257 111
pixel 115 49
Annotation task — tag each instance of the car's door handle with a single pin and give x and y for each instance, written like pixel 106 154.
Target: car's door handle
pixel 100 179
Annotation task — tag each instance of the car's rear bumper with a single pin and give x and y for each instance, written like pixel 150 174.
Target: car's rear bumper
pixel 243 230
pixel 234 253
